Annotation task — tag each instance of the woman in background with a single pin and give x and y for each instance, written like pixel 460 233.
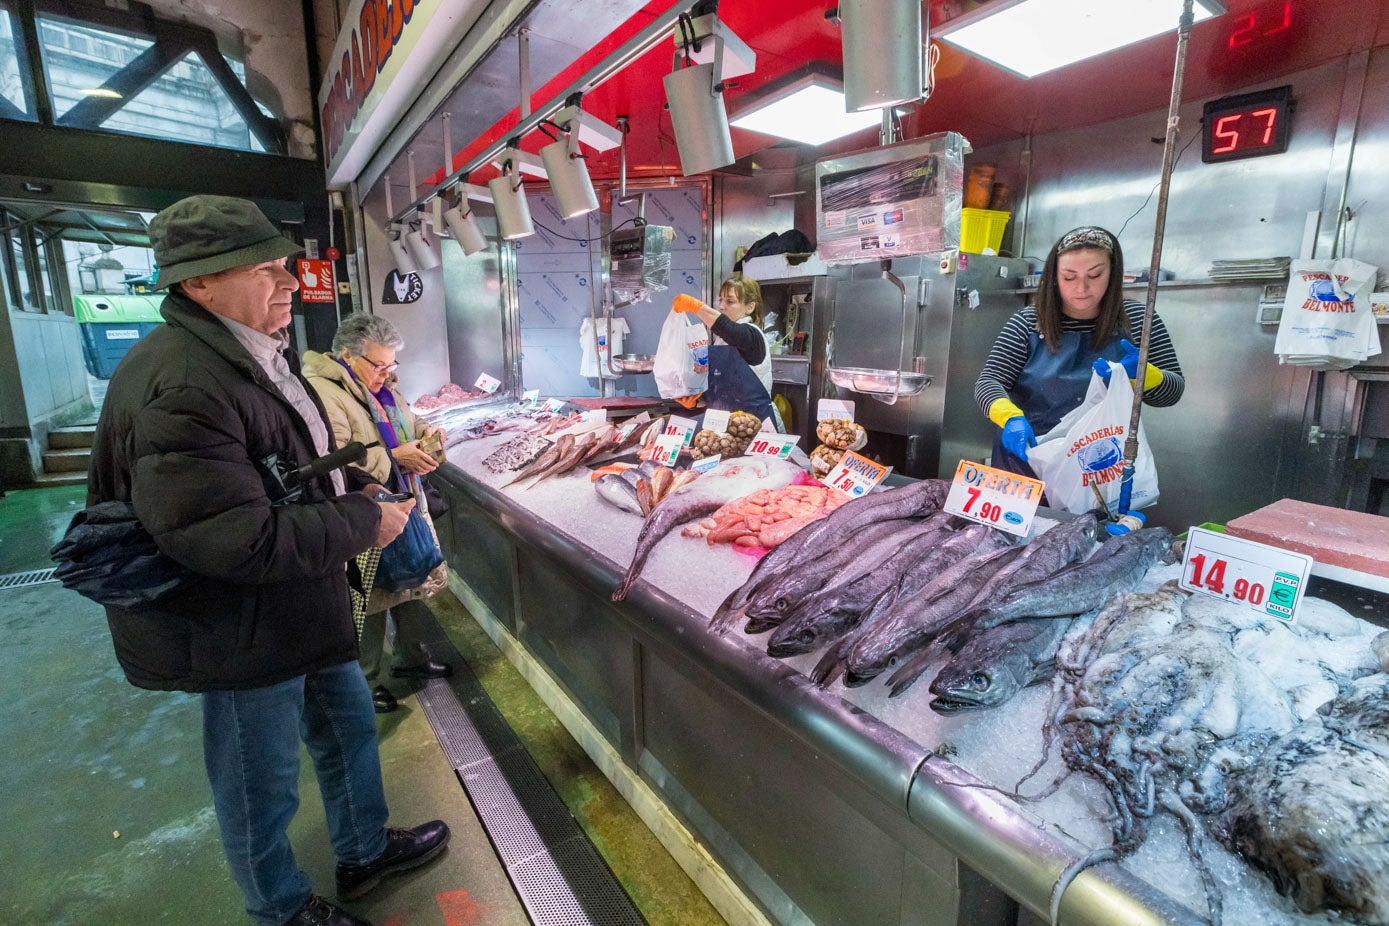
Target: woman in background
pixel 740 366
pixel 1040 365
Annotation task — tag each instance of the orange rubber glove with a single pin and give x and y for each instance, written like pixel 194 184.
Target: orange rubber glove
pixel 686 303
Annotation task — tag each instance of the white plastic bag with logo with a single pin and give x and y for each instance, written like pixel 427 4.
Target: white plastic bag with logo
pixel 1086 450
pixel 1327 322
pixel 681 365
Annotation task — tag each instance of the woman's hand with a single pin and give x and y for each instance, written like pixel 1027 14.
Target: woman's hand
pixel 410 458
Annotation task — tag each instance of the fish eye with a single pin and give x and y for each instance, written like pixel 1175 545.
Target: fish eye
pixel 979 681
pixel 805 636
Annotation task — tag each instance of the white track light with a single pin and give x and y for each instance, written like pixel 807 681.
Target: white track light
pixel 509 198
pixel 882 53
pixel 404 263
pixel 422 248
pixel 697 112
pixel 464 228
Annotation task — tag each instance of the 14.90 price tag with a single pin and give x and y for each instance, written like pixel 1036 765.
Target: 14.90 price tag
pixel 1267 579
pixel 994 497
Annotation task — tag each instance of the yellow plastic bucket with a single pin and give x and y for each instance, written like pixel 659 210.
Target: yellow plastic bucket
pixel 982 228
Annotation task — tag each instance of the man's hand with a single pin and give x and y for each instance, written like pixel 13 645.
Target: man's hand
pixel 412 459
pixel 393 518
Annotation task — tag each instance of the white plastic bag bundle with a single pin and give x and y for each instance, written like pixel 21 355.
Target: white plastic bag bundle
pixel 681 365
pixel 1327 323
pixel 1085 450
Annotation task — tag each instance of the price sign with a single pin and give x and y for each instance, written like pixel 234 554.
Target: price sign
pixel 706 464
pixel 553 405
pixel 994 497
pixel 834 408
pixel 1267 579
pixel 487 383
pixel 716 419
pixel 855 475
pixel 773 445
pixel 530 396
pixel 683 426
pixel 666 449
pixel 597 416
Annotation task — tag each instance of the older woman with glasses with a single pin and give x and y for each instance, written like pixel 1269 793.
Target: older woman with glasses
pixel 352 383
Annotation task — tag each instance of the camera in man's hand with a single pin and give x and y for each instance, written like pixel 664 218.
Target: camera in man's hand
pixel 384 496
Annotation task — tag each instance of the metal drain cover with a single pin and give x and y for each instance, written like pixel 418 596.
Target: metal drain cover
pixel 26 579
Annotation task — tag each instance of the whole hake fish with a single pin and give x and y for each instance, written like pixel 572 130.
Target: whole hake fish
pixel 993 666
pixel 546 460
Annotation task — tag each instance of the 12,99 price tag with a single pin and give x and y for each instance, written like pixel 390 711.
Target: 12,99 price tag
pixel 855 475
pixel 1267 579
pixel 994 497
pixel 487 383
pixel 773 445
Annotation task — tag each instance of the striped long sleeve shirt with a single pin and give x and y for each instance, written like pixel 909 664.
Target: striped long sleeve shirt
pixel 1012 350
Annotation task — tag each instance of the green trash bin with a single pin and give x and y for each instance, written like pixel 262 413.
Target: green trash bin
pixel 111 325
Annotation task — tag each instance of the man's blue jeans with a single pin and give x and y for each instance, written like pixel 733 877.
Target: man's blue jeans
pixel 251 748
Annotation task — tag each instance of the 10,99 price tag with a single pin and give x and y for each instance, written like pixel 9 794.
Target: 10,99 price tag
pixel 773 445
pixel 994 497
pixel 1267 579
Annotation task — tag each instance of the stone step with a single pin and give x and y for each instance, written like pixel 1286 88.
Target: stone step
pixel 48 480
pixel 67 461
pixel 72 438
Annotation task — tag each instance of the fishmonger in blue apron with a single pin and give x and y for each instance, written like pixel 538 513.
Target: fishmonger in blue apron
pixel 740 369
pixel 1039 368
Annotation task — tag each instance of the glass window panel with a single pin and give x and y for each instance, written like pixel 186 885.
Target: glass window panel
pixel 185 104
pixel 79 59
pixel 14 78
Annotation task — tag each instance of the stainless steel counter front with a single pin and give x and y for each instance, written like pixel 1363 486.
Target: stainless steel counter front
pixel 822 812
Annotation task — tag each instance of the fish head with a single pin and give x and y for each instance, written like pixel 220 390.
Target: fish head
pixel 972 686
pixel 794 639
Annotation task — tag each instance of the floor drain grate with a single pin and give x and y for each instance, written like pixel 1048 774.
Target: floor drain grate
pixel 26 579
pixel 557 873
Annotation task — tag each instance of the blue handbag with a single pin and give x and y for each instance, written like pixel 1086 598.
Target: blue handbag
pixel 409 559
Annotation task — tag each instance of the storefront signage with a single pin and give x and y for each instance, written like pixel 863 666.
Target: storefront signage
pixel 855 475
pixel 386 52
pixel 316 281
pixel 1269 580
pixel 994 497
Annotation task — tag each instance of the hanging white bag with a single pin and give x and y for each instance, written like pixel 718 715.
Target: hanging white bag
pixel 1327 323
pixel 1086 450
pixel 681 365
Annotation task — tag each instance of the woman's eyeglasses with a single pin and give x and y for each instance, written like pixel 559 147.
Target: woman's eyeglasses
pixel 380 367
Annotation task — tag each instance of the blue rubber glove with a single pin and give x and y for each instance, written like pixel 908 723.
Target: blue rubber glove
pixel 1018 436
pixel 1129 360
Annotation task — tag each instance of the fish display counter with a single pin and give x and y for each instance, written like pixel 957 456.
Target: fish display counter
pixel 860 804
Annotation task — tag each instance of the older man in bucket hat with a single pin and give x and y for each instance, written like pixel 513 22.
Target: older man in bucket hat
pixel 265 635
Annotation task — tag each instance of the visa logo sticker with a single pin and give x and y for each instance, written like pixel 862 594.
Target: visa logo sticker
pixel 868 221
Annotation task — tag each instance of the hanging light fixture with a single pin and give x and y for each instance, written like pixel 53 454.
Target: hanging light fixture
pixel 404 262
pixel 421 247
pixel 565 165
pixel 462 223
pixel 883 60
pixel 513 213
pixel 694 94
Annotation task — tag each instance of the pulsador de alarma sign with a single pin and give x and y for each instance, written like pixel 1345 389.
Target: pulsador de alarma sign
pixel 385 53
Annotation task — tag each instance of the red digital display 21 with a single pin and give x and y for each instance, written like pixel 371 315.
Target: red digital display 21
pixel 1248 125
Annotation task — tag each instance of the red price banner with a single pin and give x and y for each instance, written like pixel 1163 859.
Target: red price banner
pixel 1267 579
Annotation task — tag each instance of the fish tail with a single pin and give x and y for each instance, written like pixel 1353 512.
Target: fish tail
pixel 830 666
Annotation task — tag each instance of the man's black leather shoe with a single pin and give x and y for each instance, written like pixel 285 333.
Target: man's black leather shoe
pixel 383 700
pixel 405 849
pixel 319 912
pixel 429 669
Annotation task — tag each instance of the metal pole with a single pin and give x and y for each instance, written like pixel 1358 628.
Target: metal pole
pixel 1168 156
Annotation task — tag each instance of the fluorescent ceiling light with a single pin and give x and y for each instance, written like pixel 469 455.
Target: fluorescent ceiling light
pixel 1036 36
pixel 100 92
pixel 810 111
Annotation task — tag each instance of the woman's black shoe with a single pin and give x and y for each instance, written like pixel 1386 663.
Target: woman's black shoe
pixel 383 700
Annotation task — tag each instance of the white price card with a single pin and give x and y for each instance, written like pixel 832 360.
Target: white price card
pixel 716 419
pixel 553 405
pixel 595 416
pixel 855 475
pixel 706 464
pixel 773 445
pixel 994 497
pixel 530 396
pixel 834 408
pixel 487 383
pixel 1267 579
pixel 666 449
pixel 684 426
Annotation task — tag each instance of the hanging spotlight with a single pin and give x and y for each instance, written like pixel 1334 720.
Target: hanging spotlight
pixel 513 213
pixel 565 165
pixel 462 223
pixel 404 262
pixel 883 57
pixel 421 247
pixel 695 96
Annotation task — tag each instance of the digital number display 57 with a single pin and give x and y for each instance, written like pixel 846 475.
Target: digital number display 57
pixel 1246 126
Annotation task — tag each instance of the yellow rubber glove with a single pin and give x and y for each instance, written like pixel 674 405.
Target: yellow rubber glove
pixel 1003 409
pixel 1151 378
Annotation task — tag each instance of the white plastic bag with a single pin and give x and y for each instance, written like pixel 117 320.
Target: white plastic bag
pixel 1327 323
pixel 681 365
pixel 1086 448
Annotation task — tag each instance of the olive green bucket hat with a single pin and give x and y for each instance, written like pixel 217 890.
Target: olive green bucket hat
pixel 208 234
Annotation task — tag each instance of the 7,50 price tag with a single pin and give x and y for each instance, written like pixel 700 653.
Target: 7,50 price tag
pixel 855 475
pixel 1267 579
pixel 994 497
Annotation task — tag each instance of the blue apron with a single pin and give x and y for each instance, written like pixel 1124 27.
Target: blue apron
pixel 1050 385
pixel 734 386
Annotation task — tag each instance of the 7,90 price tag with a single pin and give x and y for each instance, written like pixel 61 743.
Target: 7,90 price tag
pixel 994 497
pixel 1267 579
pixel 773 445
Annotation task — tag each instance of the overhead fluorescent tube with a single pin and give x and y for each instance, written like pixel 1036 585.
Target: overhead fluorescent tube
pixel 810 111
pixel 1033 37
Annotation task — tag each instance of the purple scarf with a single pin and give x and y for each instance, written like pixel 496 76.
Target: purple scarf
pixel 389 437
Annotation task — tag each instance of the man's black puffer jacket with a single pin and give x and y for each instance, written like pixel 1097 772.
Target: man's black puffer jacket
pixel 187 414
